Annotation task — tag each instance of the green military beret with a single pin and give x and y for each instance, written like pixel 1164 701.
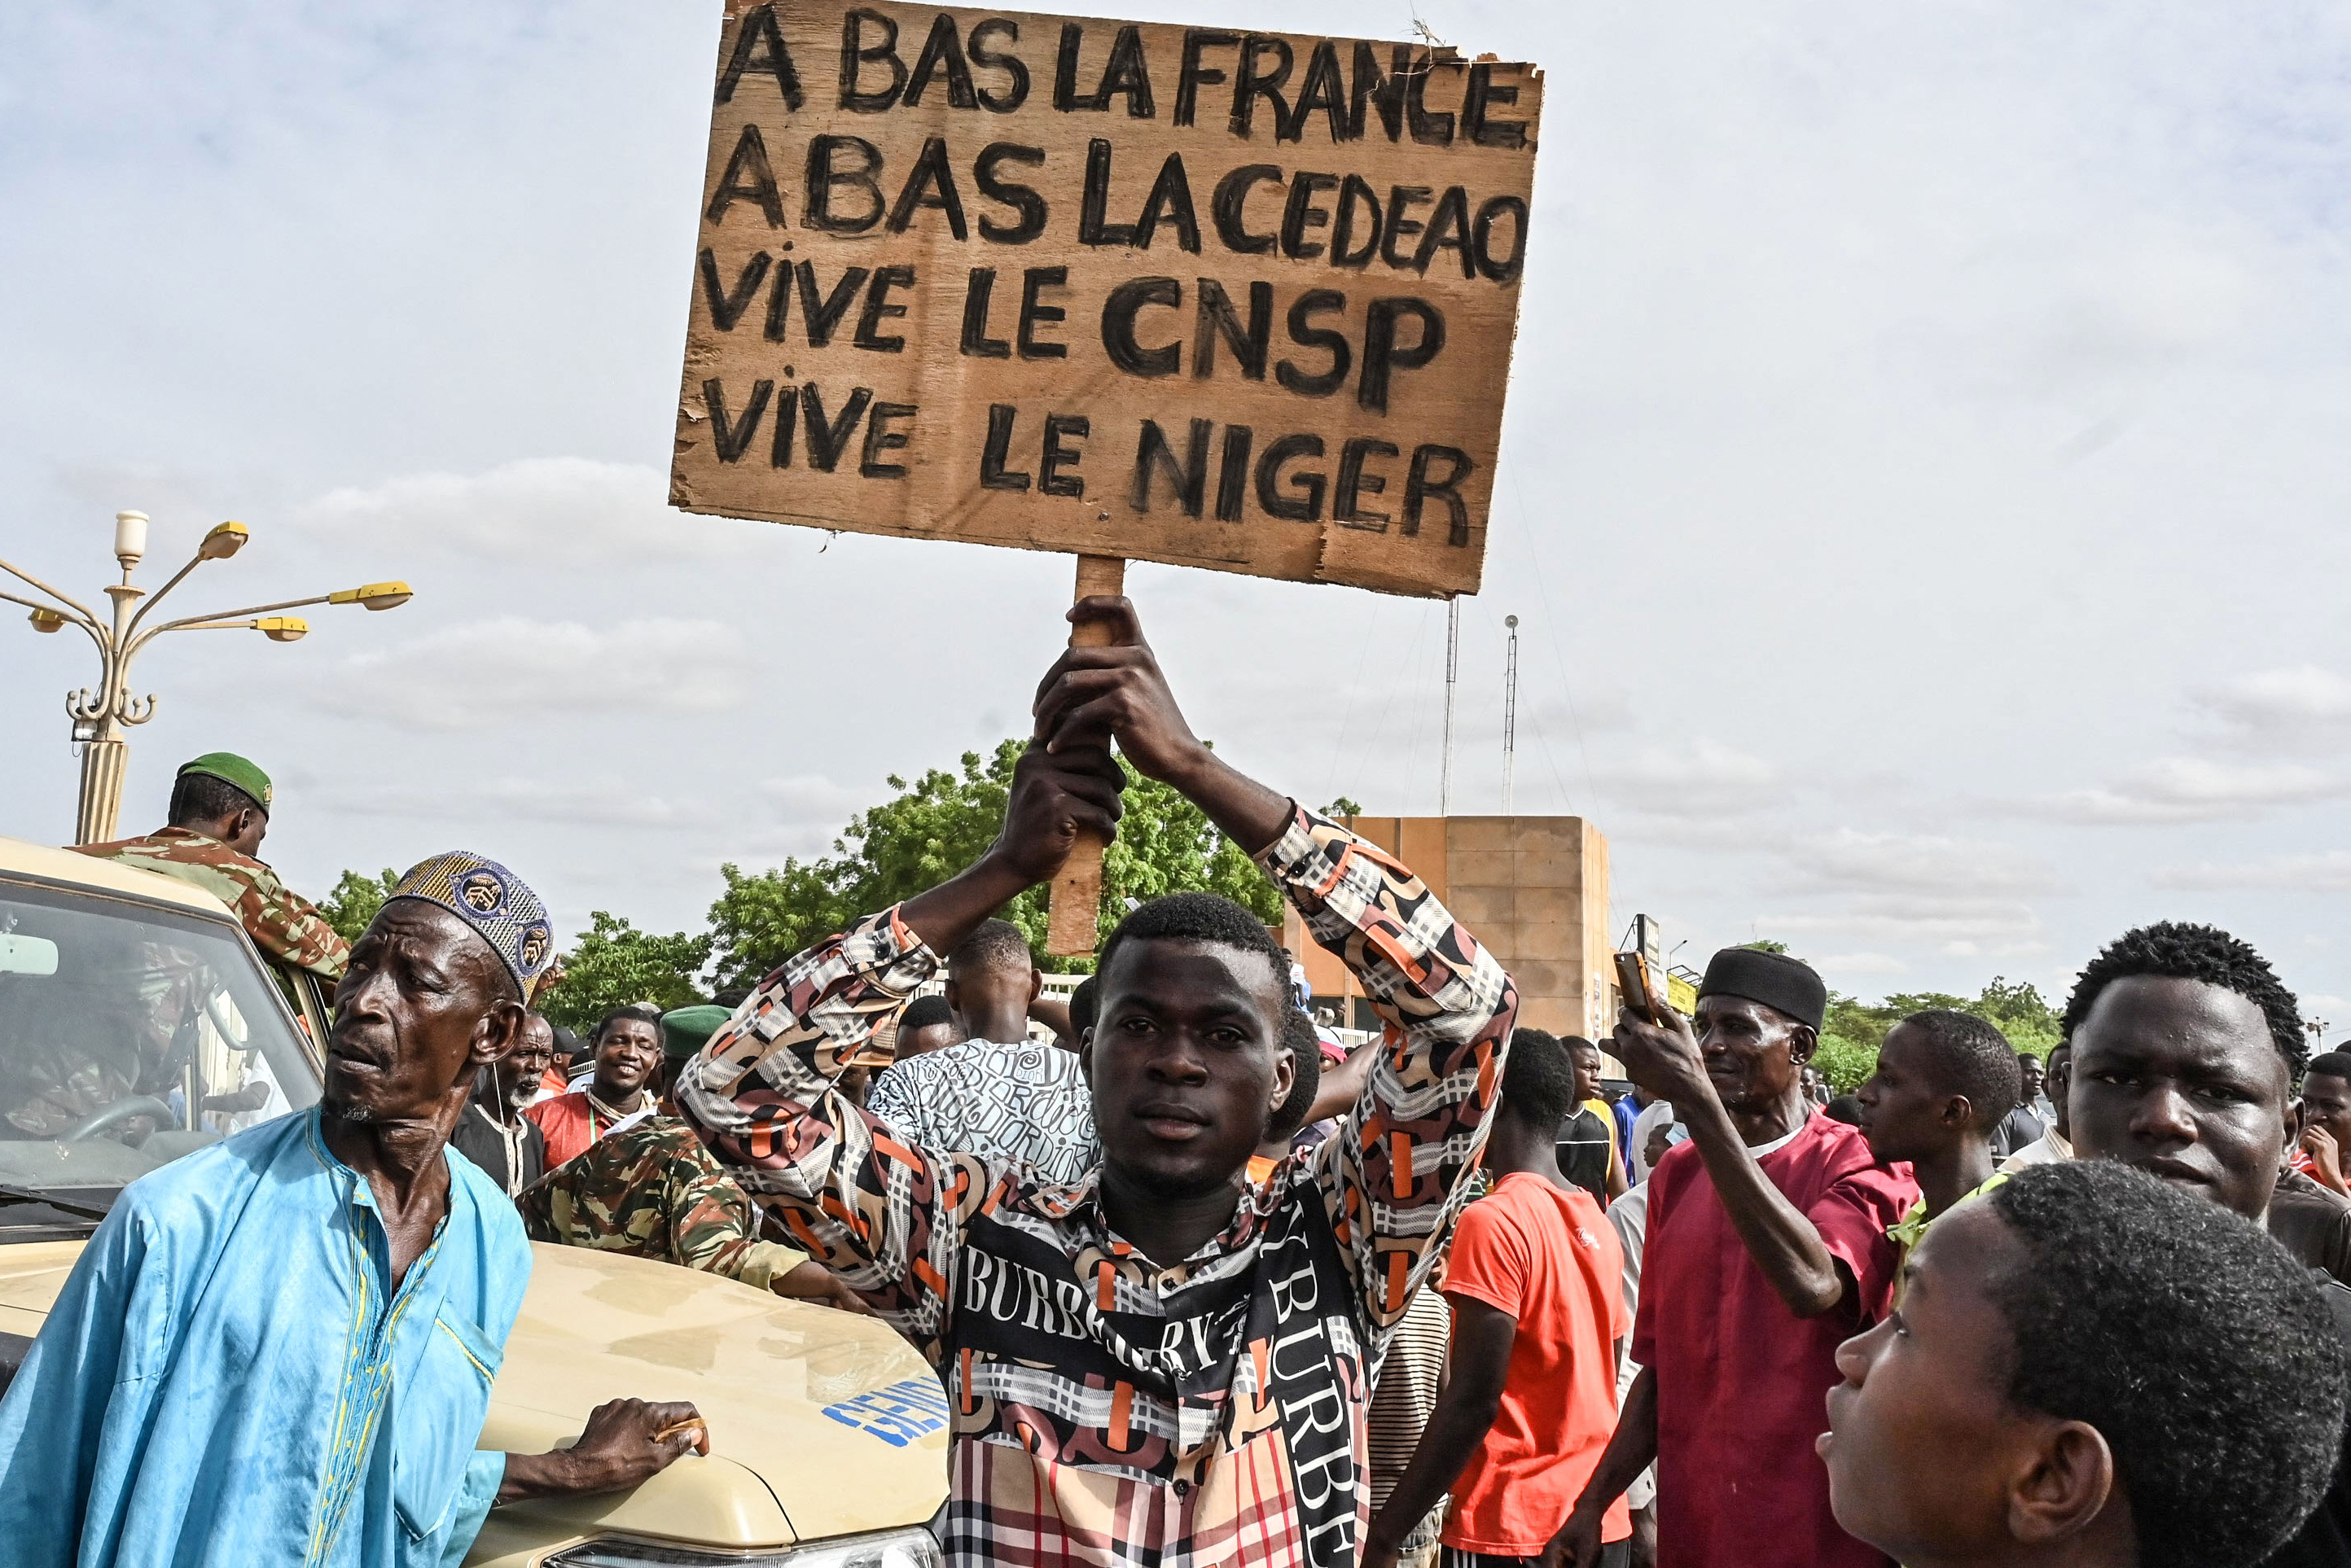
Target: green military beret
pixel 686 1030
pixel 230 768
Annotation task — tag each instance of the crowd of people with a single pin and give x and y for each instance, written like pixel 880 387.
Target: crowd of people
pixel 1205 1288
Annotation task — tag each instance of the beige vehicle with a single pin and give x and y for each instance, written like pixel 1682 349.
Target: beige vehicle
pixel 126 998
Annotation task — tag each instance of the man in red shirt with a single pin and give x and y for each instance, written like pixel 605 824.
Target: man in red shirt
pixel 1767 1247
pixel 621 1093
pixel 1535 1281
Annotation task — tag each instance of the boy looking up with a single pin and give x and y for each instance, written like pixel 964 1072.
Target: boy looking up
pixel 2088 1369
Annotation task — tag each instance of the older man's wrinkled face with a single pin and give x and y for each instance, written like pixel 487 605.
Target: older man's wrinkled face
pixel 424 1004
pixel 532 1056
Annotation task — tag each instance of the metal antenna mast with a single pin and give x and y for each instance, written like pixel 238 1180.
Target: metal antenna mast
pixel 1452 668
pixel 1509 712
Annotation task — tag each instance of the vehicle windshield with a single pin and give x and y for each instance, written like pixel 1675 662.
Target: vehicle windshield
pixel 129 1034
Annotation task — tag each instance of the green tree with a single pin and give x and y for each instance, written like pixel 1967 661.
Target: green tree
pixel 615 964
pixel 1854 1030
pixel 936 825
pixel 352 906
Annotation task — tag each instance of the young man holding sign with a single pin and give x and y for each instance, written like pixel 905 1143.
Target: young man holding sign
pixel 1161 1365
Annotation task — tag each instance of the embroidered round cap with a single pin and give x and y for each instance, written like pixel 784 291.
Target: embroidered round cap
pixel 230 768
pixel 686 1030
pixel 495 902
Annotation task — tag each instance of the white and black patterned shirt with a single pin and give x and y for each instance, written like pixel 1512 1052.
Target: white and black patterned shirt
pixel 1022 1103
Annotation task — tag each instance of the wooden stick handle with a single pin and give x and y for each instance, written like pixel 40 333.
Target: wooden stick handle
pixel 1077 891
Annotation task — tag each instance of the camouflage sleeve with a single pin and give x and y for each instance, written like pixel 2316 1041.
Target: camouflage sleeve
pixel 284 923
pixel 878 1211
pixel 714 1228
pixel 1392 1176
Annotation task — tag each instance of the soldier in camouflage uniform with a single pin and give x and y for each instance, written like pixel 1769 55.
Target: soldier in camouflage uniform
pixel 652 1191
pixel 220 812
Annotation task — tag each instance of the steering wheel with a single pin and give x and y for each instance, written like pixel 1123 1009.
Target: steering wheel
pixel 120 1111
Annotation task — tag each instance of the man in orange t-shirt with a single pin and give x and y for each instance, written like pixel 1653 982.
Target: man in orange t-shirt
pixel 1535 1281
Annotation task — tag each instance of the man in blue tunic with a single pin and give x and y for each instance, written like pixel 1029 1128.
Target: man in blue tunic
pixel 279 1349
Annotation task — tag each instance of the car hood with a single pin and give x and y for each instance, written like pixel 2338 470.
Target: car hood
pixel 821 1423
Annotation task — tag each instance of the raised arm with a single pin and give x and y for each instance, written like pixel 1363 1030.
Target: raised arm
pixel 878 1212
pixel 1391 1178
pixel 1785 1243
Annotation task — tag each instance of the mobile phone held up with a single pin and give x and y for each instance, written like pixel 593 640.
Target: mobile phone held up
pixel 1633 985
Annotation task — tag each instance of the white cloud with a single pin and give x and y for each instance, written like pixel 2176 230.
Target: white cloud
pixel 1703 779
pixel 2192 789
pixel 589 804
pixel 510 670
pixel 2325 872
pixel 1915 863
pixel 2304 708
pixel 1944 921
pixel 553 509
pixel 1860 963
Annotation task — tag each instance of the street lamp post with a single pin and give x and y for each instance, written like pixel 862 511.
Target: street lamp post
pixel 101 712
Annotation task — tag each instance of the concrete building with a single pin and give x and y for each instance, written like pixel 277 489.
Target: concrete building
pixel 1534 890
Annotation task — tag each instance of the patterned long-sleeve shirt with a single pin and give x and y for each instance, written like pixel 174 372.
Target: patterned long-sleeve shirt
pixel 280 921
pixel 1108 1410
pixel 652 1191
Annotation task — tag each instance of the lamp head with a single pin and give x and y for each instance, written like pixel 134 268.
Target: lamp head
pixel 374 596
pixel 283 628
pixel 224 540
pixel 48 620
pixel 130 537
pixel 1511 621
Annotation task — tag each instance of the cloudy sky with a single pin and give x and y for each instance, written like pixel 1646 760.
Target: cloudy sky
pixel 1924 483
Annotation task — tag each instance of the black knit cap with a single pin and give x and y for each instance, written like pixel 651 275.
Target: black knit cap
pixel 1784 984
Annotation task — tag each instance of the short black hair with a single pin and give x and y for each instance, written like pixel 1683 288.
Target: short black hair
pixel 1306 1055
pixel 1198 917
pixel 1538 1078
pixel 2177 951
pixel 1082 1005
pixel 641 1012
pixel 201 798
pixel 992 945
pixel 2202 1352
pixel 1845 1108
pixel 1973 1058
pixel 923 1012
pixel 2332 1063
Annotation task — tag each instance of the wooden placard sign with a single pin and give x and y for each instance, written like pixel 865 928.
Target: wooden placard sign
pixel 1203 296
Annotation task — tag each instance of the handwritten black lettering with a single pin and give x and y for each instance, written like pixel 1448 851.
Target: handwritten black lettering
pixel 1217 318
pixel 879 308
pixel 879 439
pixel 748 178
pixel 1189 478
pixel 731 440
pixel 1191 76
pixel 1252 83
pixel 993 474
pixel 1170 200
pixel 1054 473
pixel 941 51
pixel 827 440
pixel 755 32
pixel 1015 70
pixel 1383 354
pixel 931 183
pixel 1034 314
pixel 727 305
pixel 1347 505
pixel 856 54
pixel 1421 484
pixel 825 176
pixel 977 343
pixel 1229 204
pixel 1306 335
pixel 1118 326
pixel 1305 506
pixel 1022 199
